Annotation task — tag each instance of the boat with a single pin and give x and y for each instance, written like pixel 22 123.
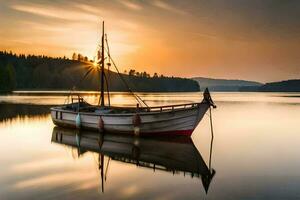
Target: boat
pixel 180 119
pixel 177 155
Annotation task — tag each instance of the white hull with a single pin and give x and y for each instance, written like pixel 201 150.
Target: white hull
pixel 180 121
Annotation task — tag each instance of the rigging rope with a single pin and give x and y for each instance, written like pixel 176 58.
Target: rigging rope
pixel 70 93
pixel 137 97
pixel 106 81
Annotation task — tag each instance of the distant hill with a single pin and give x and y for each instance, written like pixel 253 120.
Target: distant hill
pixel 281 86
pixel 20 72
pixel 224 84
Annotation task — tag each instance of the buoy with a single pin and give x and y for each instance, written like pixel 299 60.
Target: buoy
pixel 136 142
pixel 78 121
pixel 136 121
pixel 101 124
pixel 136 130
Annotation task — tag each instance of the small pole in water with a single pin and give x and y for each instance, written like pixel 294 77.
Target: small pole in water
pixel 211 123
pixel 212 137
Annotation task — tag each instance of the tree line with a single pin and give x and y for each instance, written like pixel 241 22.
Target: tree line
pixel 133 72
pixel 32 72
pixel 80 57
pixel 280 86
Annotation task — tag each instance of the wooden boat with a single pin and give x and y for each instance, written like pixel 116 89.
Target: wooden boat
pixel 177 154
pixel 145 120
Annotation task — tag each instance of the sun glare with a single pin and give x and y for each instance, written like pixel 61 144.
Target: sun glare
pixel 95 64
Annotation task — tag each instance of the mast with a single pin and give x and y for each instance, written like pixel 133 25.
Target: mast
pixel 102 66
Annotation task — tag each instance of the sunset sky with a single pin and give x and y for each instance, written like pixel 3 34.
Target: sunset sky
pixel 240 39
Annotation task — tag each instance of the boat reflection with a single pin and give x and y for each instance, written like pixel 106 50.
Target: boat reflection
pixel 177 155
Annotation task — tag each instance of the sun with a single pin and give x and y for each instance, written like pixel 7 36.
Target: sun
pixel 95 64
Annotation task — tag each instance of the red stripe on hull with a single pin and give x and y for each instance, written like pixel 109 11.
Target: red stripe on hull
pixel 180 132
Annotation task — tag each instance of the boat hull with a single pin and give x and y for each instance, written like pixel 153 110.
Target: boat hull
pixel 170 122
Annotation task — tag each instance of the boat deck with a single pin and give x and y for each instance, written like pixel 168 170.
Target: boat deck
pixel 85 107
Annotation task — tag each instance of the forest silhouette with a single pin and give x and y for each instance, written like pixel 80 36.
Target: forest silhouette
pixel 32 72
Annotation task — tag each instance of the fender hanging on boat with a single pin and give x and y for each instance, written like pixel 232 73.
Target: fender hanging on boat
pixel 78 121
pixel 136 120
pixel 101 124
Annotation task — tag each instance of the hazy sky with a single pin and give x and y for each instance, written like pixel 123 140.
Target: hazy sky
pixel 242 39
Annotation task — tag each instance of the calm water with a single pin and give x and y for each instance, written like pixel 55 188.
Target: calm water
pixel 255 153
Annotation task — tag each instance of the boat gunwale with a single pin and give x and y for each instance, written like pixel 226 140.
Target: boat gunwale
pixel 147 112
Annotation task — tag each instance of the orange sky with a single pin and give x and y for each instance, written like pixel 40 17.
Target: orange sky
pixel 255 40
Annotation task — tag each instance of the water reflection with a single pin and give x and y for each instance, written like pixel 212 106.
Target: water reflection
pixel 256 153
pixel 10 111
pixel 176 155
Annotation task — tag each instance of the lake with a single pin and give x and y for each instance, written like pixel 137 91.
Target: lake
pixel 254 153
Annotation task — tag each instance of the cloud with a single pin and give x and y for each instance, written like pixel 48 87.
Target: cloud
pixel 45 27
pixel 89 8
pixel 55 12
pixel 131 5
pixel 163 5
